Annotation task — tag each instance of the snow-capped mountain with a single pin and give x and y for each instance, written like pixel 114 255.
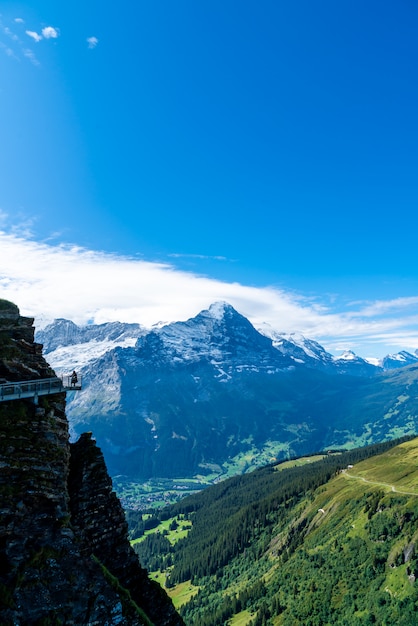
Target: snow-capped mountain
pixel 310 353
pixel 219 336
pixel 350 363
pixel 69 346
pixel 299 348
pixel 183 397
pixel 400 359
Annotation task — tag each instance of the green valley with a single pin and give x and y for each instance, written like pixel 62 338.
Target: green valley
pixel 329 541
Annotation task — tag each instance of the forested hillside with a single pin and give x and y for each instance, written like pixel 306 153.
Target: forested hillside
pixel 331 541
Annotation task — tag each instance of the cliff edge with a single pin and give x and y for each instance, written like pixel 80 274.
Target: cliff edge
pixel 65 556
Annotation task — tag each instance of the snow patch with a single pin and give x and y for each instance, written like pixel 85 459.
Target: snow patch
pixel 79 355
pixel 348 355
pixel 217 309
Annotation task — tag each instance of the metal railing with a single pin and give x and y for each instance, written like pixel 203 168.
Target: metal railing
pixel 71 383
pixel 36 388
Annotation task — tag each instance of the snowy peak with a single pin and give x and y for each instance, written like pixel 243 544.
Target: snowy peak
pixel 219 310
pixel 219 334
pixel 221 317
pixel 400 359
pixel 69 346
pixel 60 333
pixel 350 363
pixel 348 355
pixel 299 348
pixel 63 333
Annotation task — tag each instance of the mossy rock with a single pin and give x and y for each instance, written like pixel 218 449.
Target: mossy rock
pixel 8 307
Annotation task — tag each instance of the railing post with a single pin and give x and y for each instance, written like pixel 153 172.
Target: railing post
pixel 36 388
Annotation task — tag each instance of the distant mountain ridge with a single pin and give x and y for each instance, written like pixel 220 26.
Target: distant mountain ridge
pixel 98 339
pixel 213 390
pixel 74 346
pixel 66 333
pixel 400 359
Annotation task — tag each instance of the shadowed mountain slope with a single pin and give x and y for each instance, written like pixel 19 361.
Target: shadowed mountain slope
pixel 212 391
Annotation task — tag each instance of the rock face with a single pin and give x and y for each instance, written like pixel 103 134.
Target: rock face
pixel 20 357
pixel 64 553
pixel 98 518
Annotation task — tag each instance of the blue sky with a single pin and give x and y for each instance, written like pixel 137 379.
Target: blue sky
pixel 271 146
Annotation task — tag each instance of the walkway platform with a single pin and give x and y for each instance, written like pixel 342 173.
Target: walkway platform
pixel 35 388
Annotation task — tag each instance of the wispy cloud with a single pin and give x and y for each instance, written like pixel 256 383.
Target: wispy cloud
pixel 16 51
pixel 19 47
pixel 178 255
pixel 9 48
pixel 10 34
pixel 29 54
pixel 33 35
pixel 92 42
pixel 48 281
pixel 8 51
pixel 3 217
pixel 381 307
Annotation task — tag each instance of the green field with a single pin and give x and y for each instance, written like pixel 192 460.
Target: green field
pixel 305 460
pixel 173 536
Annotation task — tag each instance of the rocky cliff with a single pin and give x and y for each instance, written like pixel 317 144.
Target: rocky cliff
pixel 65 557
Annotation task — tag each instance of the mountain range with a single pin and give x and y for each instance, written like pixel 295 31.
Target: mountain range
pixel 328 538
pixel 213 392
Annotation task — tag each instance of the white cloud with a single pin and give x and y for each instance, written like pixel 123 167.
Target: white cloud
pixel 179 255
pixel 49 32
pixel 10 34
pixel 8 51
pixel 34 35
pixel 48 281
pixel 380 307
pixel 92 42
pixel 29 54
pixel 19 20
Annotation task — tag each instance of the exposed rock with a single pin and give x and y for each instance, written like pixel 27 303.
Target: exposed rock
pixel 64 553
pixel 409 551
pixel 99 520
pixel 20 357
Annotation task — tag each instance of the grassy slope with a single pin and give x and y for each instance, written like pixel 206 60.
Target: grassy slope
pixel 337 518
pixel 397 467
pixel 339 568
pixel 337 515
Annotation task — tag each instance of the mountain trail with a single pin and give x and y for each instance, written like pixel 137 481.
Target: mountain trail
pixel 372 482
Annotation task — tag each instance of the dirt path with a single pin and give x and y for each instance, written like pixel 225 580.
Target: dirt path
pixel 372 482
